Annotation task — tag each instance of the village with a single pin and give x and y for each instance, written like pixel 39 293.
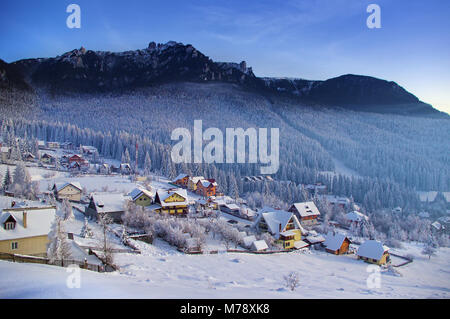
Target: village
pixel 91 211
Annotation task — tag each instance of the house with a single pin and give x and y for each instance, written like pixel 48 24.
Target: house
pixel 41 144
pixel 25 230
pixel 5 153
pixel 333 200
pixel 53 145
pixel 111 204
pixel 78 159
pixel 74 167
pixel 373 251
pixel 315 189
pixel 355 218
pixel 29 157
pixel 284 226
pixel 192 183
pixel 181 180
pixel 47 158
pixel 115 169
pixel 125 169
pixel 232 209
pixel 105 169
pixel 172 201
pixel 88 150
pixel 71 191
pixel 206 187
pixel 141 197
pixel 337 244
pixel 259 245
pixel 306 212
pixel 67 146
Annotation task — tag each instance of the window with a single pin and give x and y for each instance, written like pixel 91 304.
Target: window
pixel 10 225
pixel 14 245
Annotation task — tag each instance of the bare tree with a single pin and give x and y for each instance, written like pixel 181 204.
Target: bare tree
pixel 104 220
pixel 58 248
pixel 292 280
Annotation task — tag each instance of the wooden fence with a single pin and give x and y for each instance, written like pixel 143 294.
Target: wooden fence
pixel 60 263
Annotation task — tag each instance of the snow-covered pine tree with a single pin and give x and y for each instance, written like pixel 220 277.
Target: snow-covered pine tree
pixel 86 231
pixel 58 248
pixel 67 210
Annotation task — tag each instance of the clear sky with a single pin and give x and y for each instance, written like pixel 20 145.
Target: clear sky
pixel 311 39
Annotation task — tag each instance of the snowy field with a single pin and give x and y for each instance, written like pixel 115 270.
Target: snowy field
pixel 163 272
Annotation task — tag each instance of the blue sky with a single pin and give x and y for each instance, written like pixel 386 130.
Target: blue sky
pixel 311 39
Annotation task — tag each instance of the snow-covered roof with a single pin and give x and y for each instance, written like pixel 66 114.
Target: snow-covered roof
pixel 195 179
pixel 355 216
pixel 277 219
pixel 248 240
pixel 180 177
pixel 4 149
pixel 39 222
pixel 138 192
pixel 205 183
pixel 334 241
pixel 232 206
pixel 299 244
pixel 372 249
pixel 164 194
pixel 427 196
pixel 109 202
pixel 334 199
pixel 259 245
pixel 61 186
pixel 315 239
pixel 306 209
pixel 437 225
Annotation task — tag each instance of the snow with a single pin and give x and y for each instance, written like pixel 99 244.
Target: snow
pixel 259 245
pixel 372 249
pixel 109 202
pixel 306 209
pixel 355 216
pixel 334 241
pixel 162 272
pixel 39 223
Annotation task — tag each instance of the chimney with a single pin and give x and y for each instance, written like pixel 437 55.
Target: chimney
pixel 24 219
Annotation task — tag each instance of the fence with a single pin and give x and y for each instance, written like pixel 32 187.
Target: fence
pixel 60 263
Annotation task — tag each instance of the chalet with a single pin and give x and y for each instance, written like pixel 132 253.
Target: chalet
pixel 315 189
pixel 192 183
pixel 88 150
pixel 25 230
pixel 67 146
pixel 306 212
pixel 355 218
pixel 206 187
pixel 284 226
pixel 232 209
pixel 373 251
pixel 125 169
pixel 78 159
pixel 337 244
pixel 47 158
pixel 41 144
pixel 181 180
pixel 115 169
pixel 5 153
pixel 141 197
pixel 53 145
pixel 333 200
pixel 29 157
pixel 172 201
pixel 71 191
pixel 111 204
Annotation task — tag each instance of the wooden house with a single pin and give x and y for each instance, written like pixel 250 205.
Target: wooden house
pixel 141 197
pixel 25 230
pixel 47 158
pixel 283 225
pixel 5 153
pixel 355 218
pixel 206 187
pixel 125 169
pixel 111 204
pixel 172 201
pixel 337 244
pixel 306 212
pixel 192 183
pixel 181 180
pixel 29 157
pixel 374 252
pixel 78 159
pixel 53 145
pixel 71 191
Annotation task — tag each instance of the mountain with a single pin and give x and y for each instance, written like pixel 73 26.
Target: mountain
pixel 87 71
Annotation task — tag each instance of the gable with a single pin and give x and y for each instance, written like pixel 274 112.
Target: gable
pixel 174 198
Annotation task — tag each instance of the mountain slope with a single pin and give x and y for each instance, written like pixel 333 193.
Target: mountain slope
pixel 87 71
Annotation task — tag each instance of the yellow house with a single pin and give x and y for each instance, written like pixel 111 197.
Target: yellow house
pixel 25 230
pixel 283 225
pixel 71 191
pixel 172 201
pixel 374 252
pixel 141 197
pixel 192 183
